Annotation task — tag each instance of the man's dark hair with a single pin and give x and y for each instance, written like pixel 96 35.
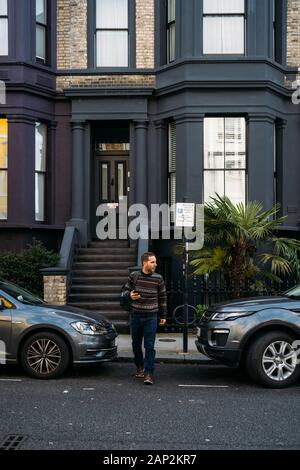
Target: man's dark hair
pixel 146 256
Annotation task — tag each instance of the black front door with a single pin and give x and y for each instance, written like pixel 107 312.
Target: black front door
pixel 111 180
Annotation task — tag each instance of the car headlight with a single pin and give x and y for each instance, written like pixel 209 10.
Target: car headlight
pixel 86 328
pixel 222 316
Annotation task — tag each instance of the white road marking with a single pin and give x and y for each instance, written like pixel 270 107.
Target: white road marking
pixel 205 386
pixel 10 380
pixel 88 388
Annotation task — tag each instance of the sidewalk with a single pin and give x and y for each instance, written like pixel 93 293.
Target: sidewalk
pixel 168 346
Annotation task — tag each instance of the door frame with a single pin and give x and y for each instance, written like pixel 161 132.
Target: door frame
pixel 104 156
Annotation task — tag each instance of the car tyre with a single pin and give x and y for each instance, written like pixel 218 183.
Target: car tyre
pixel 45 355
pixel 271 360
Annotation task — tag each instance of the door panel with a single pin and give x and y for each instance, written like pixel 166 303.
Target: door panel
pixel 111 181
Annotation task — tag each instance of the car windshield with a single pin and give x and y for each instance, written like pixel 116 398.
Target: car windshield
pixel 20 294
pixel 294 292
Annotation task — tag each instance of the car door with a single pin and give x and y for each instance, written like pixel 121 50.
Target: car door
pixel 6 309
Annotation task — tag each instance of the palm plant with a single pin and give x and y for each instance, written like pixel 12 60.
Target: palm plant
pixel 241 242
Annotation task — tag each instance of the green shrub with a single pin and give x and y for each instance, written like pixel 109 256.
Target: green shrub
pixel 24 268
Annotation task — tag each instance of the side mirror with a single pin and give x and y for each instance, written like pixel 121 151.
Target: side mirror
pixel 2 306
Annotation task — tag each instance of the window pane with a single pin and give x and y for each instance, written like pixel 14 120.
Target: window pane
pixel 214 143
pixel 121 188
pixel 171 43
pixel 3 7
pixel 171 10
pixel 41 11
pixel 3 36
pixel 235 183
pixel 235 143
pixel 112 49
pixel 112 14
pixel 223 35
pixel 41 42
pixel 40 146
pixel 213 183
pixel 104 182
pixel 39 197
pixel 223 6
pixel 3 195
pixel 3 143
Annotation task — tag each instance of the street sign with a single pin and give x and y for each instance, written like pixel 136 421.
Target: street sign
pixel 185 214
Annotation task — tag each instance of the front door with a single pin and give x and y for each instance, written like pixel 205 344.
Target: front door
pixel 111 181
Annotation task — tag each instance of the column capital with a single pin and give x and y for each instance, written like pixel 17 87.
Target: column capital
pixel 189 118
pixel 269 118
pixel 78 125
pixel 143 124
pixel 21 119
pixel 160 124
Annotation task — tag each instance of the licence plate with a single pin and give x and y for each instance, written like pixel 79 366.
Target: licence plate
pixel 198 331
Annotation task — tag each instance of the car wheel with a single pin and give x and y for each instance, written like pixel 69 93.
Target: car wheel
pixel 45 356
pixel 272 361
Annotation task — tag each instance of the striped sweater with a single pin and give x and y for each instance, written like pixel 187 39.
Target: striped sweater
pixel 152 290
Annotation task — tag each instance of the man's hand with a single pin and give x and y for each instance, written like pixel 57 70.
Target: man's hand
pixel 134 295
pixel 162 322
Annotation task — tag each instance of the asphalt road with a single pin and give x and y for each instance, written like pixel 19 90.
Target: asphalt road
pixel 189 407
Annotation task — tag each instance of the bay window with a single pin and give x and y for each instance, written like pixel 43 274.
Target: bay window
pixel 171 31
pixel 3 28
pixel 225 158
pixel 112 33
pixel 41 30
pixel 40 171
pixel 172 166
pixel 224 26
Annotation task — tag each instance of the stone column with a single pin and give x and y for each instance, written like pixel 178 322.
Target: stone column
pixel 141 176
pixel 161 161
pixel 261 147
pixel 78 219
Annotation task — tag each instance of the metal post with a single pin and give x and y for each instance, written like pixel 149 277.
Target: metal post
pixel 186 295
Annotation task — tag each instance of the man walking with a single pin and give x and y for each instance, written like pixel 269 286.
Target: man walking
pixel 148 303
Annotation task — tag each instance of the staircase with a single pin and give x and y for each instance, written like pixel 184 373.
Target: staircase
pixel 99 271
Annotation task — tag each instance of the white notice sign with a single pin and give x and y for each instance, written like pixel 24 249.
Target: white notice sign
pixel 185 214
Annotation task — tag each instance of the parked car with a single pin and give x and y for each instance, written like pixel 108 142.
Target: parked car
pixel 46 339
pixel 260 334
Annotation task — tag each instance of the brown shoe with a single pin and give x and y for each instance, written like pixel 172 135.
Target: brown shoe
pixel 139 373
pixel 148 380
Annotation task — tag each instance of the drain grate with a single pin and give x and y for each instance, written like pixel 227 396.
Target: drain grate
pixel 12 442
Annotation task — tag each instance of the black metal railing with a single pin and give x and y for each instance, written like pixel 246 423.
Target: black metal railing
pixel 204 292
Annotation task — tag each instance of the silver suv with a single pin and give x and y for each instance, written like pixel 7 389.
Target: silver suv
pixel 261 334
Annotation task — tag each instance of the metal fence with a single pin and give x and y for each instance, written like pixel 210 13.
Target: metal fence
pixel 204 291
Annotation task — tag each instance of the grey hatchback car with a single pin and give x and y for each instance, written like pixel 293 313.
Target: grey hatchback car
pixel 260 334
pixel 45 339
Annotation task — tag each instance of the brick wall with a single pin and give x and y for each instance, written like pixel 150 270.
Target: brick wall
pixel 145 33
pixel 105 81
pixel 293 33
pixel 72 46
pixel 72 34
pixel 55 290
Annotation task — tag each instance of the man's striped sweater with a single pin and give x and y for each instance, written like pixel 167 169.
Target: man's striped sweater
pixel 152 290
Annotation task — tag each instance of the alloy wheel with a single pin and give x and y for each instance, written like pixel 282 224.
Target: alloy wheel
pixel 43 356
pixel 279 360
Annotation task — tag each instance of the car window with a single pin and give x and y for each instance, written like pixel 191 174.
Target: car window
pixel 19 293
pixel 294 292
pixel 6 303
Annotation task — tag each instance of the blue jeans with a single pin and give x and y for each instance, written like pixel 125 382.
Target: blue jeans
pixel 144 326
